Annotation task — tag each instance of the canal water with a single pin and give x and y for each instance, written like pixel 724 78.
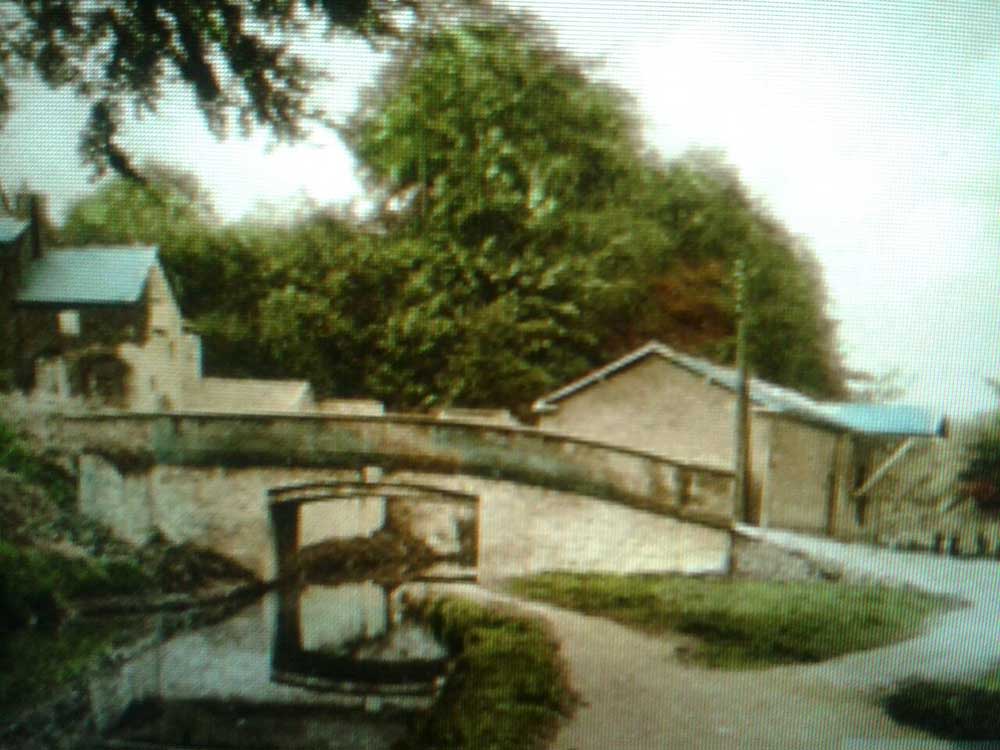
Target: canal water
pixel 321 667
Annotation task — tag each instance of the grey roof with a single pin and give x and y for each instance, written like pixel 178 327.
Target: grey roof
pixel 873 419
pixel 91 276
pixel 11 228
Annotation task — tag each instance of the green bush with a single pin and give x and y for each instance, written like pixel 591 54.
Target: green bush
pixel 507 690
pixel 36 662
pixel 35 586
pixel 951 710
pixel 981 473
pixel 17 458
pixel 81 577
pixel 28 590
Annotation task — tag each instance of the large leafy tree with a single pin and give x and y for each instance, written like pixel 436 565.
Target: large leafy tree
pixel 236 57
pixel 525 237
pixel 707 218
pixel 489 129
pixel 495 154
pixel 497 149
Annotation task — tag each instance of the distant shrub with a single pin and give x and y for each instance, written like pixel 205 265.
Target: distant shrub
pixel 82 577
pixel 981 475
pixel 952 710
pixel 17 457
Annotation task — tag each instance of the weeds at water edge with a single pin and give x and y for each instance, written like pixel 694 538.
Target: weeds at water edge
pixel 508 689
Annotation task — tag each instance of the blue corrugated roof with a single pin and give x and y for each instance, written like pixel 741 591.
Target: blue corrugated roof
pixel 887 419
pixel 871 419
pixel 11 228
pixel 94 276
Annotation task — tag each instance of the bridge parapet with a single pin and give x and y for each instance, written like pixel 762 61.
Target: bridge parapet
pixel 136 442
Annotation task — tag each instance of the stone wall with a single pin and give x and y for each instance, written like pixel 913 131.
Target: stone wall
pixel 344 519
pixel 525 456
pixel 759 560
pixel 544 502
pixel 524 533
pixel 521 529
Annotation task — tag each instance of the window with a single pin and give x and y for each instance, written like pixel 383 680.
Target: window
pixel 69 322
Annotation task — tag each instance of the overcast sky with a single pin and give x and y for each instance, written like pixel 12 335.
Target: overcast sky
pixel 869 127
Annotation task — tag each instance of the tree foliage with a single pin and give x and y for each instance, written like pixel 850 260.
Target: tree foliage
pixel 236 57
pixel 707 219
pixel 981 473
pixel 497 147
pixel 524 236
pixel 495 154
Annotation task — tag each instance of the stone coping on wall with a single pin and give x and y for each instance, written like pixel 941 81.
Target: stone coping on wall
pixel 686 491
pixel 544 435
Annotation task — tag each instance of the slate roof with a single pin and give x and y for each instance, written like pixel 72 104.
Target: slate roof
pixel 91 276
pixel 11 228
pixel 871 419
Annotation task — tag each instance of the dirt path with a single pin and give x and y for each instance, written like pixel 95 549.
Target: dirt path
pixel 637 695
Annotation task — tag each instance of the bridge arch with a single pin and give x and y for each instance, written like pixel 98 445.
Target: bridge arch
pixel 285 511
pixel 545 501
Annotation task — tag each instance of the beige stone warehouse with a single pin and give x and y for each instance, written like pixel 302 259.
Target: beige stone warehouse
pixel 807 461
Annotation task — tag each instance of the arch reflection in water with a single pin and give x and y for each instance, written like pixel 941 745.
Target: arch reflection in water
pixel 357 639
pixel 322 667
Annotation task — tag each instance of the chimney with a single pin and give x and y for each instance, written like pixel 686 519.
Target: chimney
pixel 31 206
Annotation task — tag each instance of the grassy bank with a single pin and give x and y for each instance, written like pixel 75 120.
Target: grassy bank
pixel 743 624
pixel 950 710
pixel 37 663
pixel 36 586
pixel 51 554
pixel 508 690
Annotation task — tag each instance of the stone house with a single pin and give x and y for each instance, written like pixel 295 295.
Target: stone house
pixel 810 461
pixel 101 324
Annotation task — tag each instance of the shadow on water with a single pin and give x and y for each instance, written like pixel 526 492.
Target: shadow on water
pixel 317 666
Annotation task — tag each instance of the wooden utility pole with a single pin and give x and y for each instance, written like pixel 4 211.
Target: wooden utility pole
pixel 741 494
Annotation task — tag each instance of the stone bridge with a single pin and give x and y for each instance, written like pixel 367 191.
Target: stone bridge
pixel 541 501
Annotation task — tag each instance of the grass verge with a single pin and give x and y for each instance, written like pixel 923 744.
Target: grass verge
pixel 951 710
pixel 744 624
pixel 508 689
